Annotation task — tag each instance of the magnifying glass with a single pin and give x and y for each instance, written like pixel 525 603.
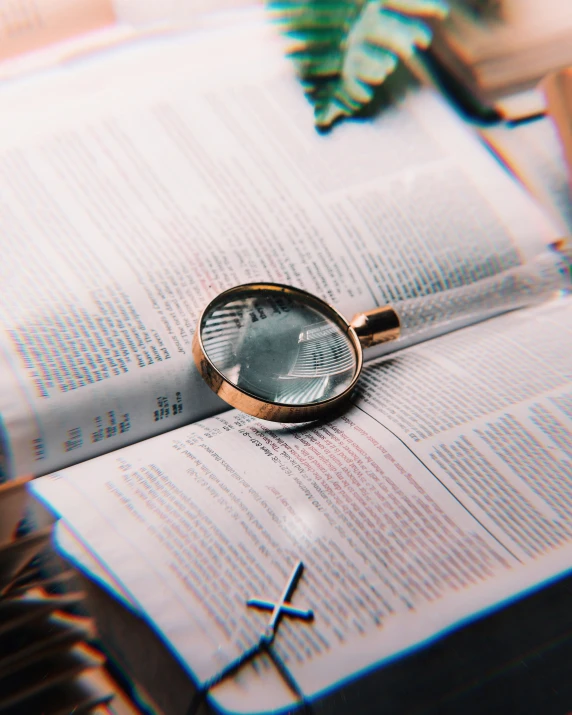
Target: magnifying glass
pixel 282 354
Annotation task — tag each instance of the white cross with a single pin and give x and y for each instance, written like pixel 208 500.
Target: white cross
pixel 282 606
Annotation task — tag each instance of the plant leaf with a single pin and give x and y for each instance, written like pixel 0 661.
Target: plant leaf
pixel 343 49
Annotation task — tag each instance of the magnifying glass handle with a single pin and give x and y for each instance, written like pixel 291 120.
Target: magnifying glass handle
pixel 518 287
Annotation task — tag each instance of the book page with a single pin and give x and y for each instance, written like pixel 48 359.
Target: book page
pixel 157 179
pixel 442 492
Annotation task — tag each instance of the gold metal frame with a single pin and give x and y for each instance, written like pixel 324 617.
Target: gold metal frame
pixel 274 411
pixel 376 326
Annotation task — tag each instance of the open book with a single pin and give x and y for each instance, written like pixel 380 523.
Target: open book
pixel 164 174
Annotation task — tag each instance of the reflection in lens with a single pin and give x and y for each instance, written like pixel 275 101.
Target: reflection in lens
pixel 323 351
pixel 221 332
pixel 277 347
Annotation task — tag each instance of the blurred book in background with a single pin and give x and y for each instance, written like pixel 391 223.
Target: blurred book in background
pixel 27 25
pixel 557 88
pixel 499 51
pixel 35 34
pixel 48 661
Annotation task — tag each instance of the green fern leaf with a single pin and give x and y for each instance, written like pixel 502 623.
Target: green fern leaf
pixel 343 49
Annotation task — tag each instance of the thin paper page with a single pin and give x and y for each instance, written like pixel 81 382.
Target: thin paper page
pixel 156 189
pixel 498 432
pixel 396 549
pixel 67 542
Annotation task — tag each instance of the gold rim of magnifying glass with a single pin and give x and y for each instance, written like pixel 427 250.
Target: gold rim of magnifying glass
pixel 249 403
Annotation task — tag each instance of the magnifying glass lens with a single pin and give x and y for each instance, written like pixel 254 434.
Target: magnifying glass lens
pixel 279 346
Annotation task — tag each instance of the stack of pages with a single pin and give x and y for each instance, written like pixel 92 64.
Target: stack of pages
pixel 236 565
pixel 500 58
